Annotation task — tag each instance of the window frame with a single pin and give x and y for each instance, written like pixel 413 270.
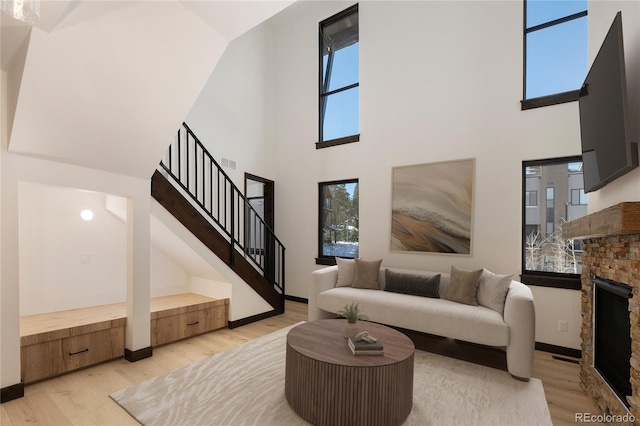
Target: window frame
pixel 322 259
pixel 324 95
pixel 554 98
pixel 543 278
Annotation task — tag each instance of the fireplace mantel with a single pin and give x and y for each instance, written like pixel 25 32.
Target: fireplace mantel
pixel 621 219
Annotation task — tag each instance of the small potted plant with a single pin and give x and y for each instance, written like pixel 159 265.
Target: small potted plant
pixel 352 313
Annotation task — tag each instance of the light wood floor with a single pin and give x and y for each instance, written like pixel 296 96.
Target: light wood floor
pixel 81 398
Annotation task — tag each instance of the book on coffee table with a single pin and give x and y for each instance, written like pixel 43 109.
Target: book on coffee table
pixel 361 347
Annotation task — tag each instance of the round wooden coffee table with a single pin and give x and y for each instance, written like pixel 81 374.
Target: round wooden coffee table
pixel 327 385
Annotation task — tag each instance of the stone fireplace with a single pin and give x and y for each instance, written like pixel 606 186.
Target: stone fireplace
pixel 611 253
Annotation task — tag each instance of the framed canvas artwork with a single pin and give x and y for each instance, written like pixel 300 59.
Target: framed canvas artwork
pixel 432 207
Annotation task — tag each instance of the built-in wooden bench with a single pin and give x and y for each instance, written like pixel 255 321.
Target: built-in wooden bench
pixel 185 315
pixel 59 342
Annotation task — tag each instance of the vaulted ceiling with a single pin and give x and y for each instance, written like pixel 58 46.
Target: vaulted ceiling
pixel 105 84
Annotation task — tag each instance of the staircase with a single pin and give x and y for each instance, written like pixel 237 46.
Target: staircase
pixel 192 186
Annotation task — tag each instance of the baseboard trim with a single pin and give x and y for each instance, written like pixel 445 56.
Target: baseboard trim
pixel 560 350
pixel 133 356
pixel 297 299
pixel 253 318
pixel 12 392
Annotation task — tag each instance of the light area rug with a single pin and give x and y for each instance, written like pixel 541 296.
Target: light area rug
pixel 245 386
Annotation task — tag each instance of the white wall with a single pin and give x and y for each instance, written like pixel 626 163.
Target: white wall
pixel 125 73
pixel 601 14
pixel 167 276
pixel 233 116
pixel 53 240
pixel 438 81
pixel 554 305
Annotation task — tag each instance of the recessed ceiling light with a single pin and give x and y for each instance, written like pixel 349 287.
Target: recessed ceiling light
pixel 86 214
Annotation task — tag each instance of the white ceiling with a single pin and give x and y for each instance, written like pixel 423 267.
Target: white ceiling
pixel 15 33
pixel 105 84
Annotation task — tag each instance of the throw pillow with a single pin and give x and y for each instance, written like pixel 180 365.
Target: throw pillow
pixel 463 286
pixel 367 274
pixel 346 272
pixel 417 285
pixel 492 290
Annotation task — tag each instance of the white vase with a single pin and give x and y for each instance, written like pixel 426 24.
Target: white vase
pixel 350 330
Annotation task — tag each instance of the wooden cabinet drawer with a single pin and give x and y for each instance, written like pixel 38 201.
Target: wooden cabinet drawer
pixel 41 360
pixel 194 320
pixel 166 329
pixel 216 317
pixel 195 323
pixel 48 359
pixel 92 348
pixel 176 327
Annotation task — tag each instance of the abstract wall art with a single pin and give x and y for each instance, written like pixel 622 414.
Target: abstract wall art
pixel 432 207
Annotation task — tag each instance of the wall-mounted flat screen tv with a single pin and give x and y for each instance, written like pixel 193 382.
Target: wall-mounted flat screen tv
pixel 607 150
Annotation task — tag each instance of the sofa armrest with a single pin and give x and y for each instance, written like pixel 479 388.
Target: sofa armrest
pixel 321 280
pixel 520 316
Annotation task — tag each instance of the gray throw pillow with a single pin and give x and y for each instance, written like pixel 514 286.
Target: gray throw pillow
pixel 367 274
pixel 346 272
pixel 417 285
pixel 492 290
pixel 463 286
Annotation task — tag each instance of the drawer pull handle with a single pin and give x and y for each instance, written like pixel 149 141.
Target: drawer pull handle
pixel 193 323
pixel 79 352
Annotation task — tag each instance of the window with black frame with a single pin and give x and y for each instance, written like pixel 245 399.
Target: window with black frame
pixel 555 51
pixel 548 259
pixel 338 220
pixel 339 79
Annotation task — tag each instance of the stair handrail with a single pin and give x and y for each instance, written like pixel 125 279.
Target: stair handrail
pixel 177 164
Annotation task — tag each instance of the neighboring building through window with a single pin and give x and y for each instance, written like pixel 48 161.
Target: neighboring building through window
pixel 578 197
pixel 531 198
pixel 544 249
pixel 550 211
pixel 555 51
pixel 338 228
pixel 339 79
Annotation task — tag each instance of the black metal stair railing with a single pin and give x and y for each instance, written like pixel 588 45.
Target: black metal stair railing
pixel 193 169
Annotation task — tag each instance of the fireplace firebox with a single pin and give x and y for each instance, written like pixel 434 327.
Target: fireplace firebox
pixel 612 335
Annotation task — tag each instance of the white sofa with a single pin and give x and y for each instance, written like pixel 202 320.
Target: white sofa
pixel 514 330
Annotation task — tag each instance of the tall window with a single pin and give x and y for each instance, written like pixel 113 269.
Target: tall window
pixel 339 79
pixel 555 46
pixel 338 225
pixel 546 255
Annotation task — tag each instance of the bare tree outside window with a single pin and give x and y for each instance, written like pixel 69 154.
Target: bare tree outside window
pixel 544 248
pixel 551 253
pixel 338 230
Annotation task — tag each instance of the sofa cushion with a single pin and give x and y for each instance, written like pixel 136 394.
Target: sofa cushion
pixel 444 278
pixel 367 274
pixel 346 272
pixel 492 290
pixel 463 286
pixel 441 317
pixel 418 285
